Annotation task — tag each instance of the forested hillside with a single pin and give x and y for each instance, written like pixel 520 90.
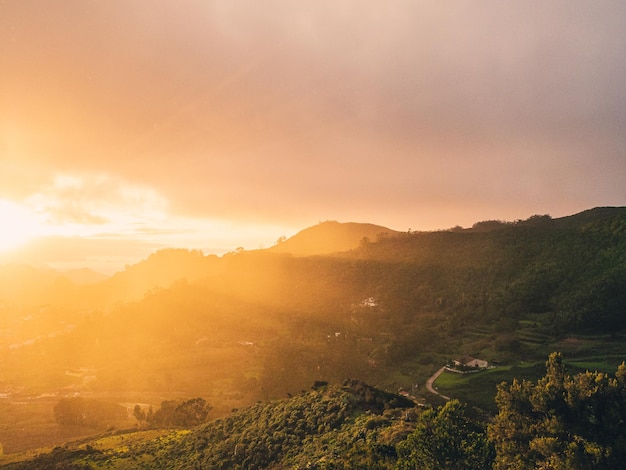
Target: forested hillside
pixel 560 421
pixel 257 325
pixel 570 270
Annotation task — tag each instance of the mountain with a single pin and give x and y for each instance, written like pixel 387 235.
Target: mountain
pixel 160 270
pixel 84 276
pixel 284 321
pixel 165 267
pixel 24 285
pixel 330 237
pixel 256 325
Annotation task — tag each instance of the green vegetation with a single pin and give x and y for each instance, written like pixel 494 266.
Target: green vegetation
pixel 175 413
pixel 479 389
pixel 446 438
pixel 353 425
pixel 263 325
pixel 561 421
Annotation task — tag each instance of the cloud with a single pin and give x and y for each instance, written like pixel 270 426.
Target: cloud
pixel 89 203
pixel 294 112
pixel 108 210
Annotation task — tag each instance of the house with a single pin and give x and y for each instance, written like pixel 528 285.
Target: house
pixel 469 361
pixel 369 302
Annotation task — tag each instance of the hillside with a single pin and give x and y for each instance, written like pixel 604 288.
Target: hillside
pixel 160 270
pixel 330 237
pixel 22 284
pixel 84 276
pixel 355 424
pixel 561 420
pixel 257 325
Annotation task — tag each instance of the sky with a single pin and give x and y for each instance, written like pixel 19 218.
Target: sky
pixel 131 125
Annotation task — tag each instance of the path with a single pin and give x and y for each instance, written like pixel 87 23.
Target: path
pixel 429 383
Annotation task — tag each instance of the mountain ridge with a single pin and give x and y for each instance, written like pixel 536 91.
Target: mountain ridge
pixel 329 237
pixel 256 325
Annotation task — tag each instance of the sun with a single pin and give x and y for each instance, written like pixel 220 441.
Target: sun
pixel 17 225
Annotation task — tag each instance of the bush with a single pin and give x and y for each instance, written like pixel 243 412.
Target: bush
pixel 176 413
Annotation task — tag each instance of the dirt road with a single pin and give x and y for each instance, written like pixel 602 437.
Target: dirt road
pixel 429 384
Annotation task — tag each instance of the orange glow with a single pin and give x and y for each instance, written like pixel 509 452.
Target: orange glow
pixel 18 226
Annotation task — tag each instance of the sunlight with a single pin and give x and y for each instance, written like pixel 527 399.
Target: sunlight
pixel 18 224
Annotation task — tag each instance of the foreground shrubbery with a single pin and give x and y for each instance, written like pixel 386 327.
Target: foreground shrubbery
pixel 562 421
pixel 446 438
pixel 186 413
pixel 337 427
pixel 320 425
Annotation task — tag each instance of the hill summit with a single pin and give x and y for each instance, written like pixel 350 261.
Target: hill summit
pixel 330 237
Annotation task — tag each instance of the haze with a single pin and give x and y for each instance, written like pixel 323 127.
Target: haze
pixel 130 126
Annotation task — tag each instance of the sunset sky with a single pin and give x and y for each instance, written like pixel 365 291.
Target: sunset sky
pixel 130 125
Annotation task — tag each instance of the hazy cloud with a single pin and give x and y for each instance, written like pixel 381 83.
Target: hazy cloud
pixel 97 199
pixel 423 114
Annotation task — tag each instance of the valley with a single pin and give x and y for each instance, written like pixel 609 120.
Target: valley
pixel 257 326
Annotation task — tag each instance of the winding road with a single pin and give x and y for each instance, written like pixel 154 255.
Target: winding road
pixel 430 381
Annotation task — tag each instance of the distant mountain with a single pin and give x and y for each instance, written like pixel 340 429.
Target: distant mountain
pixel 330 237
pixel 84 276
pixel 159 271
pixel 28 285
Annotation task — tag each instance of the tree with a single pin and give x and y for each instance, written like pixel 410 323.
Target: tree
pixel 180 413
pixel 139 414
pixel 445 438
pixel 192 412
pixel 70 411
pixel 164 416
pixel 562 421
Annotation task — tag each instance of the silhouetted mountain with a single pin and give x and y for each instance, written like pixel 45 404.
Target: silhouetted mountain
pixel 84 276
pixel 160 270
pixel 330 237
pixel 25 285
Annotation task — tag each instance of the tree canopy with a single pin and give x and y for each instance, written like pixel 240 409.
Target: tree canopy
pixel 446 438
pixel 562 421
